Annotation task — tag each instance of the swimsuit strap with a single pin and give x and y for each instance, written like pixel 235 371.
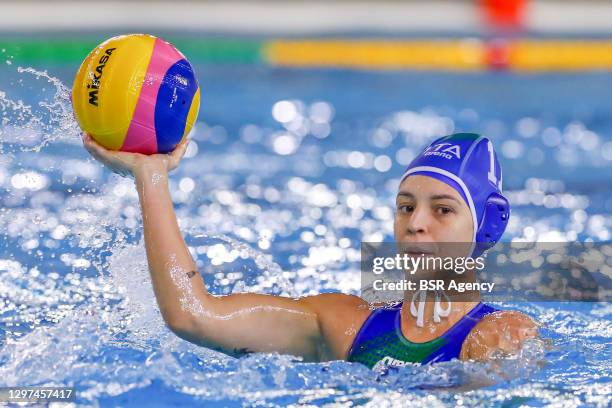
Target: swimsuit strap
pixel 381 341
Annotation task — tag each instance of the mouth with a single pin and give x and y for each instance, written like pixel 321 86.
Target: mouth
pixel 417 254
pixel 418 250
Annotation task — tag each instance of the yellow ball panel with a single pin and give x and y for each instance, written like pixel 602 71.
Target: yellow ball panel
pixel 192 115
pixel 107 87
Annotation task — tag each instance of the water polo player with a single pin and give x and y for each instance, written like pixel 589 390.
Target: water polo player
pixel 450 193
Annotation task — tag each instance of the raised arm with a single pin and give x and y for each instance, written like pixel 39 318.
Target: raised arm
pixel 234 324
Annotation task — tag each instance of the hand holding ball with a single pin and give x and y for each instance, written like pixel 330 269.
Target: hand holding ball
pixel 136 93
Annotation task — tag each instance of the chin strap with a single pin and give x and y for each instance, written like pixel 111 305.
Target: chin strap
pixel 438 311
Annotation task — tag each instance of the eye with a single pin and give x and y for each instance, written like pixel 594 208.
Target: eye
pixel 405 208
pixel 444 210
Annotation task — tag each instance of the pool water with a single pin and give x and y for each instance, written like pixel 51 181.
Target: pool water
pixel 287 172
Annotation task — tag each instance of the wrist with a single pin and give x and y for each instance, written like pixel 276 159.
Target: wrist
pixel 149 165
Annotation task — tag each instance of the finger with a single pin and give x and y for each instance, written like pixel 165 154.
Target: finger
pixel 119 162
pixel 94 149
pixel 101 150
pixel 179 150
pixel 106 157
pixel 182 148
pixel 87 142
pixel 91 149
pixel 177 154
pixel 94 153
pixel 90 141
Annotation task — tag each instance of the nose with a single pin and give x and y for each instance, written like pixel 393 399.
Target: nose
pixel 418 221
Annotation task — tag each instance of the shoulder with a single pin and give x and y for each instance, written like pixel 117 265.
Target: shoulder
pixel 503 330
pixel 340 317
pixel 504 320
pixel 510 315
pixel 333 298
pixel 334 305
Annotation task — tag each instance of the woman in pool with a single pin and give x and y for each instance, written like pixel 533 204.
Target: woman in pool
pixel 450 193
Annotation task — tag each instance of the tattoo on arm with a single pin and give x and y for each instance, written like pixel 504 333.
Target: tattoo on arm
pixel 242 350
pixel 191 274
pixel 234 352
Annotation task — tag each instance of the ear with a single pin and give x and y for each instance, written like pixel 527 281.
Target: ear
pixel 494 222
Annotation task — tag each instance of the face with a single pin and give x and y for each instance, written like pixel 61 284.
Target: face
pixel 430 212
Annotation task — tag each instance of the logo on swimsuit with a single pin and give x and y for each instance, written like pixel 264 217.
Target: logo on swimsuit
pixel 389 361
pixel 95 82
pixel 446 150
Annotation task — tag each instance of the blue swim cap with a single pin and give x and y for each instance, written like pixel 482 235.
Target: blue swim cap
pixel 468 163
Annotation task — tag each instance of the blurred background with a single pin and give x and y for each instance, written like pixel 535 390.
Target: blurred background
pixel 312 16
pixel 469 35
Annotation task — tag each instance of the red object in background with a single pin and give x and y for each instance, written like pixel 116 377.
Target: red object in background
pixel 498 53
pixel 504 13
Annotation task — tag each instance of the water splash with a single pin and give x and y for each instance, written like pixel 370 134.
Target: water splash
pixel 272 277
pixel 29 128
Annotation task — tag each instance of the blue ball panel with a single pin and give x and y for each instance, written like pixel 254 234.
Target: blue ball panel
pixel 172 106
